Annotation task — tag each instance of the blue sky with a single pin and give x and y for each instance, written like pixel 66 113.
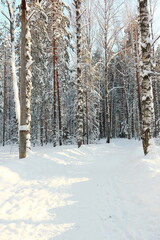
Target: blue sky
pixel 4 9
pixel 2 18
pixel 156 16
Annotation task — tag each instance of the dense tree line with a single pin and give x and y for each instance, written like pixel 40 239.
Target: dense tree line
pixel 78 73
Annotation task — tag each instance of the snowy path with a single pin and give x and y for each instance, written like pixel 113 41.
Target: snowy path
pixel 97 192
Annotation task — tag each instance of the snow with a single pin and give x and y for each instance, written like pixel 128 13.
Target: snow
pixel 23 128
pixel 103 191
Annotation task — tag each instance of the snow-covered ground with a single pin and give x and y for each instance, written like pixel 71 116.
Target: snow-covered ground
pixel 97 192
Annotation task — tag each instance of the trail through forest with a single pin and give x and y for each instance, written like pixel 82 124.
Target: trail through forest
pixel 102 191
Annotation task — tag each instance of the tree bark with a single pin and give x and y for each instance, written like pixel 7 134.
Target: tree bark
pixel 54 93
pixel 106 79
pixel 23 130
pixel 28 81
pixel 80 114
pixel 87 127
pixel 147 94
pixel 41 124
pixel 59 111
pixel 4 100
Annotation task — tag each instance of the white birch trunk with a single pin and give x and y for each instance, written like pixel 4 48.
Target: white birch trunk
pixel 28 81
pixel 147 93
pixel 80 113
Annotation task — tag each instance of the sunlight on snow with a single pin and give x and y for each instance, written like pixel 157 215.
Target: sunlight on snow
pixel 66 155
pixel 28 231
pixel 9 176
pixel 28 208
pixel 61 160
pixel 57 182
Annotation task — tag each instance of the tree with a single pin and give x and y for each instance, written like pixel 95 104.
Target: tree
pixel 79 76
pixel 4 96
pixel 109 31
pixel 23 127
pixel 145 74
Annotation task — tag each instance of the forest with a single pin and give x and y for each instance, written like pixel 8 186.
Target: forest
pixel 78 71
pixel 79 120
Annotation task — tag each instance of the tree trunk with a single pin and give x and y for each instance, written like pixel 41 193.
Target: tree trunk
pixel 59 111
pixel 4 101
pixel 41 125
pixel 137 75
pixel 54 93
pixel 23 129
pixel 79 77
pixel 107 108
pixel 28 81
pixel 147 94
pixel 87 127
pixel 46 124
pixel 106 80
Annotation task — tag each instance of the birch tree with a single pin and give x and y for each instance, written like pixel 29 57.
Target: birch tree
pixel 147 94
pixel 79 75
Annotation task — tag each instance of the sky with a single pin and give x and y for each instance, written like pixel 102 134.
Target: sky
pixel 156 16
pixel 4 9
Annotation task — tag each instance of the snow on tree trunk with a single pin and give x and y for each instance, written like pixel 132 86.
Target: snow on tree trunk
pixel 147 94
pixel 28 79
pixel 79 76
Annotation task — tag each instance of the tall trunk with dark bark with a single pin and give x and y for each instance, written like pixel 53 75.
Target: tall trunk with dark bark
pixel 23 128
pixel 136 53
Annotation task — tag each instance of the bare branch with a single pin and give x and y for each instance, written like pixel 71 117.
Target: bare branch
pixel 6 16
